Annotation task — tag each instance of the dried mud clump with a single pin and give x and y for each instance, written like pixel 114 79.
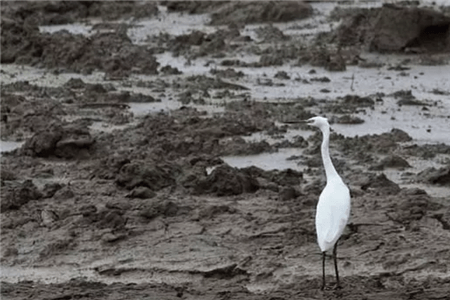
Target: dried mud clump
pixel 397 28
pixel 68 141
pixel 347 119
pixel 66 12
pixel 432 175
pixel 427 151
pixel 381 185
pixel 24 116
pixel 376 143
pixel 193 7
pixel 392 161
pixel 153 175
pixel 270 34
pixel 13 197
pixel 244 12
pixel 248 12
pixel 112 53
pixel 412 206
pixel 350 104
pixel 15 38
pixel 216 43
pixel 225 180
pixel 175 150
pixel 393 28
pixel 320 56
pixel 356 27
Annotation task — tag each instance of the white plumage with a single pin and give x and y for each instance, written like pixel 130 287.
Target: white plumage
pixel 333 211
pixel 333 208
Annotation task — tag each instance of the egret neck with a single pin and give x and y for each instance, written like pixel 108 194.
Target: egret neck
pixel 328 165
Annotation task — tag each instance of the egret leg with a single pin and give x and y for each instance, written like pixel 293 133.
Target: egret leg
pixel 335 265
pixel 323 271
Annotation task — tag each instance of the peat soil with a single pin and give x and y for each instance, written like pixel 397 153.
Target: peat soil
pixel 149 138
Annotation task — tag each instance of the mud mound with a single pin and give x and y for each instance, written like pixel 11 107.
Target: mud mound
pixel 392 161
pixel 110 52
pixel 227 73
pixel 427 151
pixel 68 141
pixel 355 100
pixel 356 27
pixel 271 34
pixel 380 184
pixel 350 104
pixel 413 205
pixel 193 7
pixel 66 12
pixel 375 143
pixel 348 119
pixel 397 28
pixel 23 117
pixel 286 177
pixel 320 56
pixel 152 175
pixel 14 39
pixel 439 176
pixel 215 44
pixel 204 83
pixel 238 146
pixel 225 180
pixel 187 134
pixel 248 12
pixel 394 28
pixel 13 197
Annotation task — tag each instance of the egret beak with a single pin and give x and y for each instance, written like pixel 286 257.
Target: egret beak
pixel 296 122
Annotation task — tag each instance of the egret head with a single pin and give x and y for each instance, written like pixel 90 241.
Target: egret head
pixel 319 122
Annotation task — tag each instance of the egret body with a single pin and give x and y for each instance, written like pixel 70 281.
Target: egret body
pixel 333 208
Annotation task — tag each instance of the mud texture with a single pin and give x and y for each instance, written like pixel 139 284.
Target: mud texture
pixel 105 200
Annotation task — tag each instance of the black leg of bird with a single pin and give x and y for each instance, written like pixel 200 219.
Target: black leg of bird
pixel 323 270
pixel 335 264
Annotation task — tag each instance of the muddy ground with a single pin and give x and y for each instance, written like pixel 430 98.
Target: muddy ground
pixel 153 160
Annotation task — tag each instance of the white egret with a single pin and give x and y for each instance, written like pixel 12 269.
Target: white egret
pixel 333 208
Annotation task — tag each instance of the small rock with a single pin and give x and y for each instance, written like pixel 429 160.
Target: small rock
pixel 50 189
pixel 110 237
pixel 88 210
pixel 287 193
pixel 141 192
pixel 64 193
pixel 282 75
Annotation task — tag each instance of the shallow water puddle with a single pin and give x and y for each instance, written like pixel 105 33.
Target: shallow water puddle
pixel 6 146
pixel 76 28
pixel 267 161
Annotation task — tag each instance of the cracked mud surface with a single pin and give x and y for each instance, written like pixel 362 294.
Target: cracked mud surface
pixel 153 160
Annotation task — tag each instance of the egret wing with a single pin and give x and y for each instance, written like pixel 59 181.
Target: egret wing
pixel 333 211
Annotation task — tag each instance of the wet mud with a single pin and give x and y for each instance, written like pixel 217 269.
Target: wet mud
pixel 140 176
